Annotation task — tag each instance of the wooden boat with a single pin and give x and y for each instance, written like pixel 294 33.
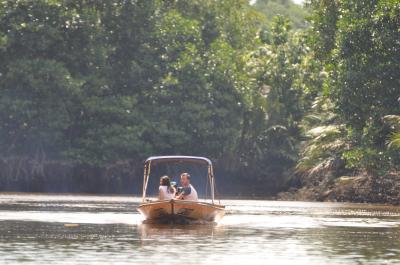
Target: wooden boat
pixel 180 211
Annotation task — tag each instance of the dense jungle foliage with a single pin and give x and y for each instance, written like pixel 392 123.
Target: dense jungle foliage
pixel 267 90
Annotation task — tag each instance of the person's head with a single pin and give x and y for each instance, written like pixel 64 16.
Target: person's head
pixel 165 181
pixel 185 179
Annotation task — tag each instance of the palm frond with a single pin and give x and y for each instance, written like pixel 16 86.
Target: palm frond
pixel 393 121
pixel 394 140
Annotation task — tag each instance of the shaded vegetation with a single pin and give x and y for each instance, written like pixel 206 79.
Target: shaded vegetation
pixel 361 58
pixel 264 93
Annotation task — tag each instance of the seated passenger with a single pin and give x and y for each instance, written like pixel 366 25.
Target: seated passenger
pixel 166 191
pixel 189 193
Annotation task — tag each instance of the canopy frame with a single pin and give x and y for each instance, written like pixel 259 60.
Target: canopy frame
pixel 153 160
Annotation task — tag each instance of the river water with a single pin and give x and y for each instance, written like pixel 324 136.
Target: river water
pixel 75 229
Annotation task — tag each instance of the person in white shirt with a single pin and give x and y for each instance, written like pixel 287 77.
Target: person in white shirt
pixel 166 191
pixel 189 192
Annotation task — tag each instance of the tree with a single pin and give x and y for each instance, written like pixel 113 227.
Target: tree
pixel 271 8
pixel 103 81
pixel 286 83
pixel 359 47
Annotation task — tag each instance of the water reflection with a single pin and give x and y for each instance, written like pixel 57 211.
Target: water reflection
pixel 149 232
pixel 97 229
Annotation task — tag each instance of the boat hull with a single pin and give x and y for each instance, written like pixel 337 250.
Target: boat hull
pixel 181 211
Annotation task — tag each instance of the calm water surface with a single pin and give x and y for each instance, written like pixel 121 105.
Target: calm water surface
pixel 60 229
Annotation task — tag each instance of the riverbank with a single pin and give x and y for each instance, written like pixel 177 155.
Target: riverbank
pixel 125 178
pixel 19 174
pixel 360 188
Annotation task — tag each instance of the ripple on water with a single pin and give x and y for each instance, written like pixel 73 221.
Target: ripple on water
pixel 32 230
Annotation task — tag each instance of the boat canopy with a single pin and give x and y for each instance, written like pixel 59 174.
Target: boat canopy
pixel 154 160
pixel 180 159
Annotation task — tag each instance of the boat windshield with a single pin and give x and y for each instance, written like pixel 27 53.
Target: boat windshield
pixel 173 169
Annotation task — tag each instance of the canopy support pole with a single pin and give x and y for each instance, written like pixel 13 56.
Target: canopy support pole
pixel 212 183
pixel 147 168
